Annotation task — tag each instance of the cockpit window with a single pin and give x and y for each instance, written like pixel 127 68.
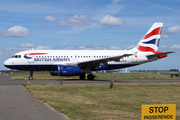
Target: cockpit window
pixel 16 56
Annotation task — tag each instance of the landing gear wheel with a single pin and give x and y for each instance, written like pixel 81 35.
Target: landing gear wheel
pixel 90 77
pixel 82 77
pixel 30 78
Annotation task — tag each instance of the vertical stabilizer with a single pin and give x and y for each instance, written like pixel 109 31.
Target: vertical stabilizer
pixel 150 42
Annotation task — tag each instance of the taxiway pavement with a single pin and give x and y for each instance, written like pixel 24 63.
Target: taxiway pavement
pixel 6 80
pixel 16 103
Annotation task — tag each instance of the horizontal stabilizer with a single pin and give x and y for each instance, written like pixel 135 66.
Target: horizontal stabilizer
pixel 160 54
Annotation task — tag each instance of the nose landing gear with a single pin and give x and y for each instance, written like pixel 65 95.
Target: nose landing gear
pixel 31 75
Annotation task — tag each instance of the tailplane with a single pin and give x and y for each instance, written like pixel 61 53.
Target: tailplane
pixel 150 42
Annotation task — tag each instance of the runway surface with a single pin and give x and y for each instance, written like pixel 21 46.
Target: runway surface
pixel 16 103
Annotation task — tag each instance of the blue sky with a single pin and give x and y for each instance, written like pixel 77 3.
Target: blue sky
pixel 88 24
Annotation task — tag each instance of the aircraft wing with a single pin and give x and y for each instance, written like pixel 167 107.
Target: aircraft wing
pixel 96 62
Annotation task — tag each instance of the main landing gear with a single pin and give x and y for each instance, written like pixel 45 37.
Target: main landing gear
pixel 89 77
pixel 31 75
pixel 82 76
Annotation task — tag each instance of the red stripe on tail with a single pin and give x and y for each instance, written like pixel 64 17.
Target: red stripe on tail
pixel 156 31
pixel 148 49
pixel 145 49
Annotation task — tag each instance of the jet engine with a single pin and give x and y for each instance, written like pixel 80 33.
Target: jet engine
pixel 67 70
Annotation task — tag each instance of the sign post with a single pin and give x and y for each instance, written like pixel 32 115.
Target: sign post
pixel 112 84
pixel 158 112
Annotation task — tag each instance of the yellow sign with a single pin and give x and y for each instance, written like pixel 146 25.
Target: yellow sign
pixel 158 112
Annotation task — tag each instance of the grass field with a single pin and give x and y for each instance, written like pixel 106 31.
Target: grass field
pixel 97 76
pixel 97 101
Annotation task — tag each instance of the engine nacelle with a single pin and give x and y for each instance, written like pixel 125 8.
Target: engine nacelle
pixel 67 70
pixel 54 73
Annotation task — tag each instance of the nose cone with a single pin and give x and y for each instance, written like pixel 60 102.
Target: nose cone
pixel 7 63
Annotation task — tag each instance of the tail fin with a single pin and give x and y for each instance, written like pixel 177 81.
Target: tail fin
pixel 150 42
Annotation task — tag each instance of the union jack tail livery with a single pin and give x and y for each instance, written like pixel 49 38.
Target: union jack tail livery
pixel 150 42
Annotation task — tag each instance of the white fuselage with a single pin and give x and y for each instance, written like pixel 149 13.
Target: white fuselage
pixel 40 58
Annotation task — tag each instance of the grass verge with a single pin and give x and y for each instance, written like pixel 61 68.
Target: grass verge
pixel 97 101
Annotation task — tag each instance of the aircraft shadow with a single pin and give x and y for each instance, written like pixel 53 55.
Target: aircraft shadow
pixel 99 80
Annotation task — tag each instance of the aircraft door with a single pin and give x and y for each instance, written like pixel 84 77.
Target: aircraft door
pixel 134 58
pixel 31 56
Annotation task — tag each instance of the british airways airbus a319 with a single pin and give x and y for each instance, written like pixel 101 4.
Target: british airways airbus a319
pixel 82 62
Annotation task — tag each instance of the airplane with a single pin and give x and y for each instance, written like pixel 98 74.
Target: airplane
pixel 82 62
